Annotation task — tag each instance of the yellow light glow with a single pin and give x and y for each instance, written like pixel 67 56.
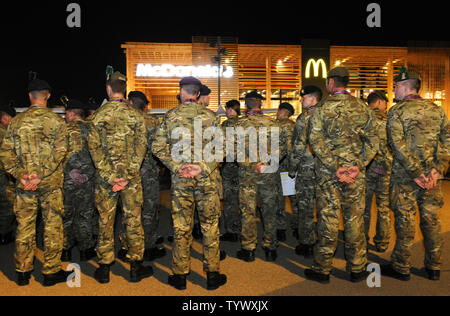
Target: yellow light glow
pixel 316 65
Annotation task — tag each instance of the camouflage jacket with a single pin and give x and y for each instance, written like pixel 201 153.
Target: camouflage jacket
pixel 342 134
pixel 288 127
pixel 301 156
pixel 230 169
pixel 118 141
pixel 36 143
pixel 258 121
pixel 152 124
pixel 384 157
pixel 419 135
pixel 3 130
pixel 180 123
pixel 78 157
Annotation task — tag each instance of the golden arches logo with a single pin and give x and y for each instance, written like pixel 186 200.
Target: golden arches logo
pixel 316 65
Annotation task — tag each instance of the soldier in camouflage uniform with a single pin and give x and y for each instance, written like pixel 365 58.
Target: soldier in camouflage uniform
pixel 7 184
pixel 255 182
pixel 193 183
pixel 79 185
pixel 230 182
pixel 285 111
pixel 150 185
pixel 378 176
pixel 33 151
pixel 118 144
pixel 344 142
pixel 419 135
pixel 302 165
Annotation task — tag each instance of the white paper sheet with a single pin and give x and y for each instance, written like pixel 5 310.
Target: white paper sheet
pixel 288 184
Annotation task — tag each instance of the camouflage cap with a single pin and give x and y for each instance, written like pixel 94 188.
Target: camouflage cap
pixel 254 95
pixel 73 104
pixel 8 110
pixel 190 81
pixel 287 106
pixel 407 75
pixel 338 72
pixel 38 85
pixel 205 91
pixel 138 95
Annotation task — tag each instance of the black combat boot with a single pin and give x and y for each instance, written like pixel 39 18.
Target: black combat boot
pixel 281 235
pixel 178 281
pixel 433 275
pixel 388 270
pixel 359 277
pixel 102 273
pixel 154 253
pixel 122 255
pixel 23 278
pixel 230 237
pixel 6 239
pixel 271 255
pixel 246 255
pixel 59 277
pixel 66 255
pixel 86 255
pixel 215 280
pixel 138 272
pixel 317 277
pixel 307 251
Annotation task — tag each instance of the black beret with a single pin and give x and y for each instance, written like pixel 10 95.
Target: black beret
pixel 287 106
pixel 190 81
pixel 73 104
pixel 8 110
pixel 38 85
pixel 138 95
pixel 254 95
pixel 309 90
pixel 406 74
pixel 204 91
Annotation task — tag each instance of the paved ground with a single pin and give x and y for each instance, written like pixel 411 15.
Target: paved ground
pixel 283 278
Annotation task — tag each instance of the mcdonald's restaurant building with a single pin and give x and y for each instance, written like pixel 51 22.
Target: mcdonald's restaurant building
pixel 279 71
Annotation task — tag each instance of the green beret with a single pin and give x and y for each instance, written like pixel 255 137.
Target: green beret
pixel 138 95
pixel 287 106
pixel 38 85
pixel 254 95
pixel 190 81
pixel 338 72
pixel 407 75
pixel 117 76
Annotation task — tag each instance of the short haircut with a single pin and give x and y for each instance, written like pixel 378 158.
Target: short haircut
pixel 253 103
pixel 341 82
pixel 414 84
pixel 373 98
pixel 191 89
pixel 138 103
pixel 117 86
pixel 79 112
pixel 40 95
pixel 235 105
pixel 318 94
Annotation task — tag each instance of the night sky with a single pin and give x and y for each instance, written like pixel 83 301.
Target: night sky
pixel 35 36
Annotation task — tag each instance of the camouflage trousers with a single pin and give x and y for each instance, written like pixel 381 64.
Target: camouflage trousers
pixel 6 204
pixel 150 210
pixel 107 201
pixel 26 209
pixel 405 198
pixel 305 220
pixel 378 185
pixel 332 197
pixel 187 194
pixel 253 188
pixel 79 205
pixel 283 217
pixel 231 213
